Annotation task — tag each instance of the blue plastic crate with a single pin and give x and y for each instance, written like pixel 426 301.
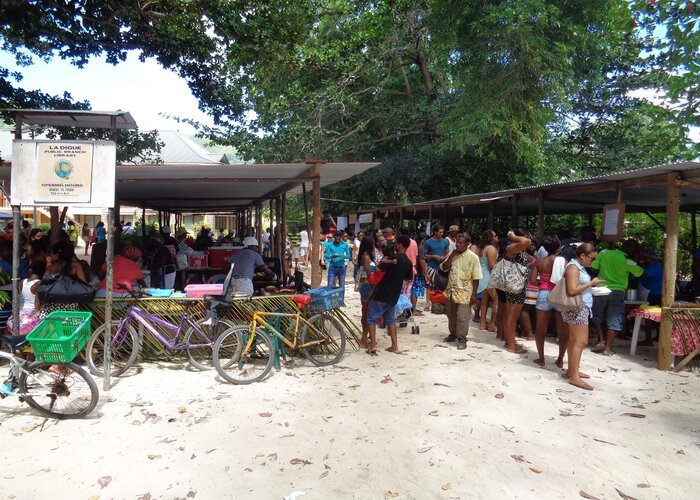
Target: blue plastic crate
pixel 326 298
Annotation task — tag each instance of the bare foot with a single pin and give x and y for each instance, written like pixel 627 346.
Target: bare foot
pixel 363 343
pixel 482 326
pixel 518 349
pixel 538 361
pixel 559 362
pixel 580 383
pixel 395 350
pixel 529 338
pixel 565 374
pixel 493 328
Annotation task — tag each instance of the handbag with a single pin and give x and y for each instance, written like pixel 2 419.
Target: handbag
pixel 508 276
pixel 561 299
pixel 439 278
pixel 62 288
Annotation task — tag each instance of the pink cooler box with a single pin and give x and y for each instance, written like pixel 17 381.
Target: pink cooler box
pixel 199 291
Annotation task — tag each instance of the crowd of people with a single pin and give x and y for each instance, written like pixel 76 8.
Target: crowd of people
pixel 388 264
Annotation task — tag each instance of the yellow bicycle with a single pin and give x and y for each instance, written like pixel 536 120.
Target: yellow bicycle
pixel 246 353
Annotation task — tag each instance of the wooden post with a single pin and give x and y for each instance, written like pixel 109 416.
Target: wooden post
pixel 283 238
pixel 272 231
pixel 514 219
pixel 540 216
pixel 316 231
pixel 693 229
pixel 280 240
pixel 259 225
pixel 669 283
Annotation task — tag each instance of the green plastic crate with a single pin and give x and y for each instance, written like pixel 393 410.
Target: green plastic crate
pixel 61 336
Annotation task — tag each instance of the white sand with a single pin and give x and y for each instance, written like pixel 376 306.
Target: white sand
pixel 426 424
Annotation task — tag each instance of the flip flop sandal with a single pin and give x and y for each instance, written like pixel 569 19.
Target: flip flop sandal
pixel 598 348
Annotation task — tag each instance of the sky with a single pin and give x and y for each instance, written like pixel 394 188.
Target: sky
pixel 143 89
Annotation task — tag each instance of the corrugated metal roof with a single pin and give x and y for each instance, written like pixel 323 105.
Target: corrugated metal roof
pixel 74 118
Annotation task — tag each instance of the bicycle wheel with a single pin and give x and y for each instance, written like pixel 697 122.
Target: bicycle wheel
pixel 240 361
pixel 59 390
pixel 200 356
pixel 122 353
pixel 324 338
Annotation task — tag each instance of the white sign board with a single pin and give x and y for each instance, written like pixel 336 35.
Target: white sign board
pixel 58 173
pixel 342 222
pixel 364 218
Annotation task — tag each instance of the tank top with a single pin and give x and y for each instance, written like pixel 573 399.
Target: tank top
pixel 545 283
pixel 28 298
pixel 485 273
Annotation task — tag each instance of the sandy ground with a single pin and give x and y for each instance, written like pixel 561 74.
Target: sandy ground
pixel 432 423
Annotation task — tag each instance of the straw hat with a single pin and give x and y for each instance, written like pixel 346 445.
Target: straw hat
pixel 453 229
pixel 181 231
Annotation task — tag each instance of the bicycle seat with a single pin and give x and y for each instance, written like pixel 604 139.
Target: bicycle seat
pixel 14 342
pixel 301 300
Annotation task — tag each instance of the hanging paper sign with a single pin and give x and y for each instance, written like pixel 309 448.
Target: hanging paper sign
pixel 60 173
pixel 613 223
pixel 63 172
pixel 365 218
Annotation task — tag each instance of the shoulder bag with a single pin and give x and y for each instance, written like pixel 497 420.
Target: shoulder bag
pixel 508 276
pixel 62 288
pixel 561 299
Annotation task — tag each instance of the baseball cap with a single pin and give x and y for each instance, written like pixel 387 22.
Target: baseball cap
pixel 249 241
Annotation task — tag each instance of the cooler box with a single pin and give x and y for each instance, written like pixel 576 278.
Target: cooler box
pixel 199 291
pixel 197 261
pixel 218 257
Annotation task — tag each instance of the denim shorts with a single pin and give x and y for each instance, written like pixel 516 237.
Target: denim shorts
pixel 378 310
pixel 610 309
pixel 542 304
pixel 418 287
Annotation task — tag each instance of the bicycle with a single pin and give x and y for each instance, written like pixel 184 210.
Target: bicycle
pixel 57 390
pixel 245 354
pixel 124 348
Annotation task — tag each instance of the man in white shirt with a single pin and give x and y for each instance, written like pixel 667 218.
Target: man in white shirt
pixel 304 246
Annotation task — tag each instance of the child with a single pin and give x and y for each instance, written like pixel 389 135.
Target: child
pixel 29 303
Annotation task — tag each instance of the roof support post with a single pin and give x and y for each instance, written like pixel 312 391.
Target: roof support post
pixel 669 279
pixel 258 226
pixel 108 302
pixel 316 230
pixel 540 216
pixel 17 231
pixel 279 249
pixel 306 206
pixel 283 240
pixel 273 240
pixel 694 229
pixel 514 219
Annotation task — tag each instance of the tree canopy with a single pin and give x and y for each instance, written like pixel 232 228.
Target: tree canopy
pixel 452 96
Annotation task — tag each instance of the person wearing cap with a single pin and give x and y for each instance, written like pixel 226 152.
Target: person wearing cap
pixel 245 264
pixel 182 247
pixel 126 273
pixel 452 237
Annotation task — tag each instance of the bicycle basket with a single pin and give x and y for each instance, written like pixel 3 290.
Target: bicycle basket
pixel 326 298
pixel 61 336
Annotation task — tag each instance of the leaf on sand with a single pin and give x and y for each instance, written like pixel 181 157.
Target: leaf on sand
pixel 446 486
pixel 499 395
pixel 265 414
pixel 586 495
pixel 624 495
pixel 387 379
pixel 390 494
pixel 424 450
pixel 104 481
pixel 536 470
pixel 298 461
pixel 518 458
pixel 635 415
pixel 433 413
pixel 323 474
pixel 182 409
pixel 145 496
pixel 442 385
pixel 643 485
pixel 155 457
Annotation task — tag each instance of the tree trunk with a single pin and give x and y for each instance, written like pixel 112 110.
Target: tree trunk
pixel 56 225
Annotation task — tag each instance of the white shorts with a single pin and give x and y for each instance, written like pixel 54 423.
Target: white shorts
pixel 302 251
